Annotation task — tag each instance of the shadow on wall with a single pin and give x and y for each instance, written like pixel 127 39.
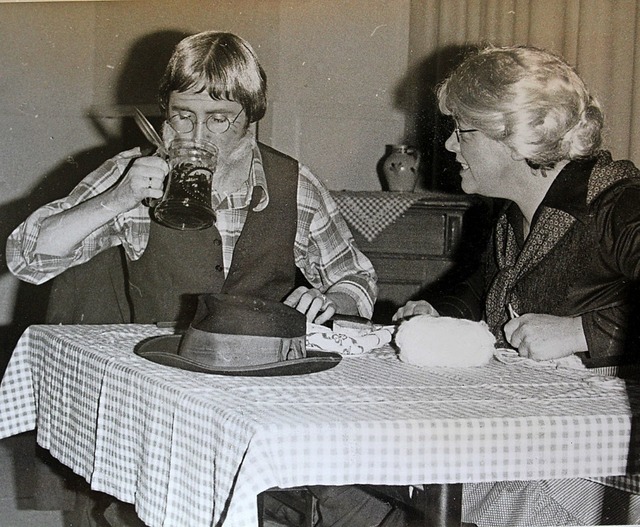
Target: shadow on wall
pixel 427 129
pixel 137 85
pixel 31 300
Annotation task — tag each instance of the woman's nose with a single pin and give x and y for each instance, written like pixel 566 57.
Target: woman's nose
pixel 452 143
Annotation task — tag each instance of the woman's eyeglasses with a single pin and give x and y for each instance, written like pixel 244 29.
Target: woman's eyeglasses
pixel 459 132
pixel 215 123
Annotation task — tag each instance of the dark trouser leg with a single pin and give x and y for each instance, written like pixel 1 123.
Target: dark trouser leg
pixel 359 506
pixel 441 504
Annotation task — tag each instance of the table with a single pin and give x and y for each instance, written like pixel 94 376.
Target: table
pixel 200 448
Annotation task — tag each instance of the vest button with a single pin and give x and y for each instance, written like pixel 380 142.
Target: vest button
pixel 219 268
pixel 217 241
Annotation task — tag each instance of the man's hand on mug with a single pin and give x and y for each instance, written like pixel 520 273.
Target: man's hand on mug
pixel 317 307
pixel 144 179
pixel 415 307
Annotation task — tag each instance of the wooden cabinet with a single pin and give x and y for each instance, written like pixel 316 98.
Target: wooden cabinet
pixel 437 234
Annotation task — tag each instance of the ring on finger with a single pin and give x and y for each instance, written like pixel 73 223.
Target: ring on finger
pixel 325 301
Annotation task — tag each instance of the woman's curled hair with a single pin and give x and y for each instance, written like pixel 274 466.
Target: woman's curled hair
pixel 529 99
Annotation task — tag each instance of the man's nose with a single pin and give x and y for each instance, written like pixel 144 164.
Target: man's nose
pixel 199 131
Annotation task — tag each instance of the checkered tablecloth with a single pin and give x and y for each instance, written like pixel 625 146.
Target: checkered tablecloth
pixel 195 450
pixel 371 212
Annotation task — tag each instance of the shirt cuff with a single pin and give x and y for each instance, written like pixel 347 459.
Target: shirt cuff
pixel 361 293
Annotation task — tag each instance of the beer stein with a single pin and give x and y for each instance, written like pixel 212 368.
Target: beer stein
pixel 186 202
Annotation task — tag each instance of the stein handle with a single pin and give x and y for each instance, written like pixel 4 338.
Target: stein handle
pixel 152 202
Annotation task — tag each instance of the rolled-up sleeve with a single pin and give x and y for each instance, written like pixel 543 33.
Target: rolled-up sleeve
pixel 325 250
pixel 28 265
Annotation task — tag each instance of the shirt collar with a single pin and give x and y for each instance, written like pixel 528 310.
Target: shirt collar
pixel 568 192
pixel 256 182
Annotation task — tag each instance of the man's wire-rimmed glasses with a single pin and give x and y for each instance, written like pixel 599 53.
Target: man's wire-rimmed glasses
pixel 216 123
pixel 458 131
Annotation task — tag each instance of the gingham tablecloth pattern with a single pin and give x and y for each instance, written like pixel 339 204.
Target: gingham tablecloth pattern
pixel 629 482
pixel 372 212
pixel 195 450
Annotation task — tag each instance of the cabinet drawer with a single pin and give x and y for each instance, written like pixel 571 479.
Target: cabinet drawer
pixel 417 232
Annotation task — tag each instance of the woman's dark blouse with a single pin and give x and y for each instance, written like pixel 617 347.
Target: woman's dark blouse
pixel 591 271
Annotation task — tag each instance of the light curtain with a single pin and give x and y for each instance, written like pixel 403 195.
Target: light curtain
pixel 598 37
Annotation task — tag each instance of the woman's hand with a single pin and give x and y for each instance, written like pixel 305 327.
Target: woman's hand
pixel 544 337
pixel 415 307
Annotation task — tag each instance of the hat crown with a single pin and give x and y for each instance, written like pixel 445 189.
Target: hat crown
pixel 238 331
pixel 238 315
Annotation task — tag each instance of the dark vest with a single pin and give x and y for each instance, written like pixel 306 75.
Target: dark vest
pixel 176 266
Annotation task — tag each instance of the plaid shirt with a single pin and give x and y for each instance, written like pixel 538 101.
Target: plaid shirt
pixel 324 249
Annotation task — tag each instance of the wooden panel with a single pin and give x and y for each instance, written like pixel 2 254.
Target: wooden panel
pixel 396 294
pixel 408 270
pixel 415 232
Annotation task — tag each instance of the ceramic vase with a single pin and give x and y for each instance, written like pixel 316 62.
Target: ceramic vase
pixel 400 168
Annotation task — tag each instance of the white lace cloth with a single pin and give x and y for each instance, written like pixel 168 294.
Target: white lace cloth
pixel 348 342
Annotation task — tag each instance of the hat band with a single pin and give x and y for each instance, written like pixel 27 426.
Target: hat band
pixel 218 350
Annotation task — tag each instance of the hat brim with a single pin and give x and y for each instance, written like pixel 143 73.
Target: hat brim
pixel 164 350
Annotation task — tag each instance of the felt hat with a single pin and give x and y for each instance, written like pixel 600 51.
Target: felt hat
pixel 237 335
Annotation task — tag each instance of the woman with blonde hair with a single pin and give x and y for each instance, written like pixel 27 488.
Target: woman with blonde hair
pixel 565 252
